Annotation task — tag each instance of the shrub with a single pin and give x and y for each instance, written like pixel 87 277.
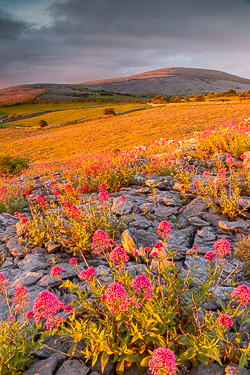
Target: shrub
pixel 11 165
pixel 242 252
pixel 108 111
pixel 43 124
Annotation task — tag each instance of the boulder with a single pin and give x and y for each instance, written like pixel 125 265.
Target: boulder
pixel 73 367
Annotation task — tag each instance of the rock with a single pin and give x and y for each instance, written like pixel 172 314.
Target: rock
pixel 205 239
pixel 73 367
pixel 140 222
pixel 109 368
pixel 128 242
pixel 194 208
pixel 182 239
pixel 55 342
pixel 46 366
pixel 15 249
pixel 29 279
pixel 52 247
pixel 172 198
pixel 238 225
pixel 165 212
pixel 197 222
pixel 102 269
pixel 213 218
pixel 120 207
pixel 211 369
pixel 33 263
pixel 148 207
pixel 233 369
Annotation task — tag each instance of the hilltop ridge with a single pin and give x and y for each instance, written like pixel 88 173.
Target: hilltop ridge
pixel 173 81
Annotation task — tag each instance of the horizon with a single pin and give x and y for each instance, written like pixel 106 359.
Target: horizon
pixel 72 41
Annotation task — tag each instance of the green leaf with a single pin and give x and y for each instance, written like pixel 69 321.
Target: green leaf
pixel 203 359
pixel 132 357
pixel 72 348
pixel 188 354
pixel 183 340
pixel 223 306
pixel 104 360
pixel 214 353
pixel 243 361
pixel 145 361
pixel 120 365
pixel 245 319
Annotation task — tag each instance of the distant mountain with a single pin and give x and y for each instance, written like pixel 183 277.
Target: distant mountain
pixel 173 81
pixel 169 82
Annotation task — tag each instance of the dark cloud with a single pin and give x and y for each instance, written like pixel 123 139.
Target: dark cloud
pixel 11 29
pixel 105 38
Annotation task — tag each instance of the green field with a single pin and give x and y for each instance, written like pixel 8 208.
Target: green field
pixel 68 113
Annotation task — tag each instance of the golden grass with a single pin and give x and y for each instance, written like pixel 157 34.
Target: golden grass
pixel 68 115
pixel 175 121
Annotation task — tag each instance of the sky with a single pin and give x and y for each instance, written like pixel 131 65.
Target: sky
pixel 72 41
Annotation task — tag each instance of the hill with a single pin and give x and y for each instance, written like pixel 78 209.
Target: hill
pixel 173 81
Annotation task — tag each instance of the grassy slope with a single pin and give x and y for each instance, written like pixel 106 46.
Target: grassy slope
pixel 174 121
pixel 67 115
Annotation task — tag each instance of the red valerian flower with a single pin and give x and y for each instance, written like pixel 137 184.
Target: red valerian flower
pixel 222 247
pixel 55 271
pixel 225 321
pixel 87 275
pixel 163 229
pixel 162 362
pixel 242 292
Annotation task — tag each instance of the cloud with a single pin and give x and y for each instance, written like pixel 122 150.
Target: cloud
pixel 86 39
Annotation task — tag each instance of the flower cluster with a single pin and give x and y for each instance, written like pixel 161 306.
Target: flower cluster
pixel 100 240
pixel 73 261
pixel 163 229
pixel 142 286
pixel 162 362
pixel 222 247
pixel 87 275
pixel 118 255
pixel 3 281
pixel 242 292
pixel 21 297
pixel 225 320
pixel 116 297
pixel 210 255
pixel 46 305
pixel 55 271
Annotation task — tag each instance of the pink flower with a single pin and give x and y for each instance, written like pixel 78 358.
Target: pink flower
pixel 154 254
pixel 142 286
pixel 163 229
pixel 3 281
pixel 68 308
pixel 162 362
pixel 102 187
pixel 210 255
pixel 68 188
pixel 55 271
pixel 205 174
pixel 41 198
pixel 242 292
pixel 49 324
pixel 147 249
pixel 57 193
pixel 29 314
pixel 73 261
pixel 103 196
pixel 85 187
pixel 196 183
pixel 23 220
pixel 100 240
pixel 87 275
pixel 11 319
pixel 118 255
pixel 222 247
pixel 122 199
pixel 116 297
pixel 46 305
pixel 230 160
pixel 225 320
pixel 159 245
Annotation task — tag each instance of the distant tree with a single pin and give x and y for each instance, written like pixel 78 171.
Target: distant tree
pixel 109 111
pixel 199 98
pixel 43 124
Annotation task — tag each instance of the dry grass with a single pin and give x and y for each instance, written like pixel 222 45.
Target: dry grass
pixel 175 121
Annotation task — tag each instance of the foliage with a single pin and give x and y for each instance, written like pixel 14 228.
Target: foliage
pixel 11 165
pixel 109 111
pixel 42 124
